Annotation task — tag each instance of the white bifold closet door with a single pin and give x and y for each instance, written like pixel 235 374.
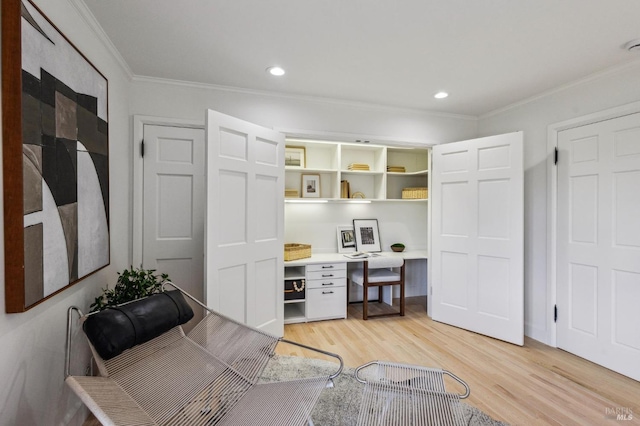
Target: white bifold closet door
pixel 477 247
pixel 244 231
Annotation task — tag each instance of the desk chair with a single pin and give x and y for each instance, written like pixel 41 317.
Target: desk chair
pixel 377 272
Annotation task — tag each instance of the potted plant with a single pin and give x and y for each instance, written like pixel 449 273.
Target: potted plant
pixel 132 284
pixel 397 247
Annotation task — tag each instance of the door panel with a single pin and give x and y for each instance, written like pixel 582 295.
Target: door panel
pixel 245 222
pixel 598 281
pixel 173 206
pixel 477 236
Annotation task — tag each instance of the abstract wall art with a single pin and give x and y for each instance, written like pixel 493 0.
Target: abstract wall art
pixel 55 159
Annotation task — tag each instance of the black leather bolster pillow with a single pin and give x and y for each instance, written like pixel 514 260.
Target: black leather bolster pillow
pixel 115 329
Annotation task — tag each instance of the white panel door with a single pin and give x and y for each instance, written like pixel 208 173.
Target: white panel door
pixel 244 244
pixel 598 281
pixel 173 206
pixel 477 249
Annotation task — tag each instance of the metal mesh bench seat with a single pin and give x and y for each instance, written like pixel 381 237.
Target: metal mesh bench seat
pixel 207 377
pixel 404 395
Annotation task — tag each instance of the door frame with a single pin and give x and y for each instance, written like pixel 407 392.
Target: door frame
pixel 139 121
pixel 552 200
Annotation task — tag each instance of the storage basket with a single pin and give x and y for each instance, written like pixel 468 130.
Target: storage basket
pixel 294 289
pixel 294 251
pixel 414 193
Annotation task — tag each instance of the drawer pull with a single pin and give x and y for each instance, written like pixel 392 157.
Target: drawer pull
pixel 327 283
pixel 327 267
pixel 326 275
pixel 327 292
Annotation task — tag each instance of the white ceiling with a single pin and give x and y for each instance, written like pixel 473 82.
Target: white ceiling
pixel 487 54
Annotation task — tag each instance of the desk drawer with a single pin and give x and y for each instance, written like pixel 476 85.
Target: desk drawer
pixel 342 266
pixel 326 303
pixel 328 282
pixel 331 274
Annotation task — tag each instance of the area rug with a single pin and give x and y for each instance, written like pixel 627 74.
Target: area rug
pixel 339 405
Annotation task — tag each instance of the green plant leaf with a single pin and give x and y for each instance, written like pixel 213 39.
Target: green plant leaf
pixel 132 284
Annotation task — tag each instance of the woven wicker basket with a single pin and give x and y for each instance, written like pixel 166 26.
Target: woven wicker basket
pixel 294 251
pixel 414 193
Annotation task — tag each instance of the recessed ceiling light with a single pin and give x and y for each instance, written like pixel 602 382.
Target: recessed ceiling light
pixel 633 45
pixel 277 71
pixel 441 95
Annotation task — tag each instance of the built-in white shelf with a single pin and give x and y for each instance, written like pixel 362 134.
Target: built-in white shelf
pixel 294 312
pixel 331 160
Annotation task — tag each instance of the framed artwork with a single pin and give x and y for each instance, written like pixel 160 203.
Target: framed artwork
pixel 295 157
pixel 55 159
pixel 346 239
pixel 367 235
pixel 311 186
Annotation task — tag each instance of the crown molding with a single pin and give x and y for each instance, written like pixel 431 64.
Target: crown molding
pixel 562 88
pixel 91 21
pixel 305 98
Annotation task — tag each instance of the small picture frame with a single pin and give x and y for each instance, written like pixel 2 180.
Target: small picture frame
pixel 367 235
pixel 346 239
pixel 311 186
pixel 295 157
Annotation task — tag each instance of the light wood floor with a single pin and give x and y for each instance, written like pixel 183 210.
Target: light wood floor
pixel 530 385
pixel 534 384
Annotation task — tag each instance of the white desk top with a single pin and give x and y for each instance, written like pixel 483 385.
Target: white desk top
pixel 339 257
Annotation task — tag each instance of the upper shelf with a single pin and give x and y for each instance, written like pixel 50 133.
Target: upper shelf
pixel 308 170
pixel 388 171
pixel 360 172
pixel 417 173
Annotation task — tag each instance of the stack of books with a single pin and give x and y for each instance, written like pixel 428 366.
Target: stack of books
pixel 359 167
pixel 291 193
pixel 396 169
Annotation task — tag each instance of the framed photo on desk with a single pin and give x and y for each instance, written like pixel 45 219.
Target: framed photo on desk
pixel 346 239
pixel 367 235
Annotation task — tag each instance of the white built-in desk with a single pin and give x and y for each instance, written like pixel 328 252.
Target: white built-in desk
pixel 325 278
pixel 339 257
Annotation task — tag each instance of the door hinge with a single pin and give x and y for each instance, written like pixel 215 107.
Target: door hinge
pixel 555 159
pixel 142 148
pixel 555 313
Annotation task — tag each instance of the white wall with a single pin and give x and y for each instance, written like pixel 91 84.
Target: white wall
pixel 153 98
pixel 608 90
pixel 32 343
pixel 315 224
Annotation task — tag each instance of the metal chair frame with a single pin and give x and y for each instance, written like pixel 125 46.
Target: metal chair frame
pixel 404 395
pixel 206 377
